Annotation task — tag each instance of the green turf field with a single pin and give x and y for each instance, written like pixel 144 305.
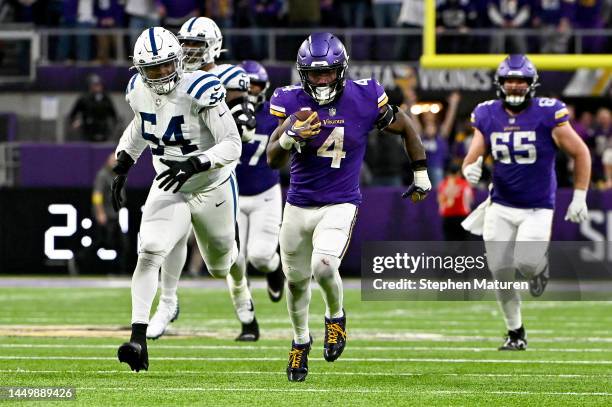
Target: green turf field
pixel 399 353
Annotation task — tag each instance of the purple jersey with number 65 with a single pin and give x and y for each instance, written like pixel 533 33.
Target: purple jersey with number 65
pixel 253 173
pixel 326 171
pixel 523 150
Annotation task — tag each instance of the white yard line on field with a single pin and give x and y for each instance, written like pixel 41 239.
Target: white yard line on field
pixel 282 347
pixel 337 390
pixel 281 373
pixel 272 359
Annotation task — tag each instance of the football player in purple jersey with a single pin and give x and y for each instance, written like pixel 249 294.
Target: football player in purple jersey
pixel 326 151
pixel 261 202
pixel 522 133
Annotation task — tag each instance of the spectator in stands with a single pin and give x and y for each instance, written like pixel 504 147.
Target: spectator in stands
pixel 602 135
pixel 455 198
pixel 588 15
pixel 385 14
pixel 94 114
pixel 304 13
pixel 264 14
pixel 76 14
pixel 175 13
pixel 411 16
pixel 435 139
pixel 457 15
pixel 109 14
pixel 353 13
pixel 142 14
pixel 221 11
pixel 507 15
pixel 554 20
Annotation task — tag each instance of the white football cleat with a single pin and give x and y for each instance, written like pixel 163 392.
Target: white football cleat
pixel 167 311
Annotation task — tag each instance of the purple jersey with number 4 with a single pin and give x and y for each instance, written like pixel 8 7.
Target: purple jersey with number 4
pixel 523 150
pixel 326 171
pixel 253 173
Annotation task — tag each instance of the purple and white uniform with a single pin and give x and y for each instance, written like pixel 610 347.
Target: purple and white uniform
pixel 253 173
pixel 523 149
pixel 326 171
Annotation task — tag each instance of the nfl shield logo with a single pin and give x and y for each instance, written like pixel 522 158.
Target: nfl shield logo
pixel 332 111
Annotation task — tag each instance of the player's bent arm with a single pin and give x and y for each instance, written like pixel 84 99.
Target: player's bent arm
pixel 412 142
pixel 477 149
pixel 228 146
pixel 131 140
pixel 570 142
pixel 276 155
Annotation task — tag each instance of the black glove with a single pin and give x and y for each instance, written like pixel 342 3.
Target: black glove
pixel 180 171
pixel 124 163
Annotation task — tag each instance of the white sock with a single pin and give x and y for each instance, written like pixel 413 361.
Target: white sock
pixel 325 270
pixel 237 282
pixel 171 271
pixel 144 286
pixel 298 302
pixel 509 301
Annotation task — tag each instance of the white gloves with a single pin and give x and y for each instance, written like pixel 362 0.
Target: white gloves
pixel 577 211
pixel 473 172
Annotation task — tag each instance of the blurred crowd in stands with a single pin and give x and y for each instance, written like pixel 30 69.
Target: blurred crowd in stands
pixel 554 19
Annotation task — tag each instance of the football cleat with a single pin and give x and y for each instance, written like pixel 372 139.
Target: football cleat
pixel 250 332
pixel 515 340
pixel 537 285
pixel 245 312
pixel 297 368
pixel 335 337
pixel 276 284
pixel 134 354
pixel 167 312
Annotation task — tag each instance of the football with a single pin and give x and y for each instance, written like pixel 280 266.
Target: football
pixel 305 114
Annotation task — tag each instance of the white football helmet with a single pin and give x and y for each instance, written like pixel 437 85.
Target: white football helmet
pixel 158 57
pixel 206 32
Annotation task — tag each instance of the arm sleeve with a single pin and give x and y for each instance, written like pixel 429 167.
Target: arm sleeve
pixel 132 141
pixel 228 147
pixel 494 15
pixel 523 15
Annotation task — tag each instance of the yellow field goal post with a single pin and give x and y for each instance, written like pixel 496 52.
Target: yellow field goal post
pixel 557 62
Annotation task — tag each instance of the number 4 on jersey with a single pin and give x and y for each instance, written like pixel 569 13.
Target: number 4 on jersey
pixel 332 147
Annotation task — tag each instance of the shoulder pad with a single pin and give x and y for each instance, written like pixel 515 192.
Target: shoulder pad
pixel 234 78
pixel 130 86
pixel 205 89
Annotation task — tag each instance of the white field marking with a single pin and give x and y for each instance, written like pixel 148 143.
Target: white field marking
pixel 273 359
pixel 280 373
pixel 117 331
pixel 336 390
pixel 280 347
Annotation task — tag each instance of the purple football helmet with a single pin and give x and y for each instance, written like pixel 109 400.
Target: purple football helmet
pixel 516 66
pixel 259 76
pixel 322 52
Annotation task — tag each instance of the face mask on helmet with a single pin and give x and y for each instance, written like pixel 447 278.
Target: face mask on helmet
pixel 162 77
pixel 257 92
pixel 515 90
pixel 323 84
pixel 198 53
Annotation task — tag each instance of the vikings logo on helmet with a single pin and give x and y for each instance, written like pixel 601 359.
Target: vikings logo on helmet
pixel 322 52
pixel 520 67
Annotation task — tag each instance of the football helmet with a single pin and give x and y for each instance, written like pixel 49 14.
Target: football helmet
pixel 322 52
pixel 520 67
pixel 158 58
pixel 259 76
pixel 204 31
